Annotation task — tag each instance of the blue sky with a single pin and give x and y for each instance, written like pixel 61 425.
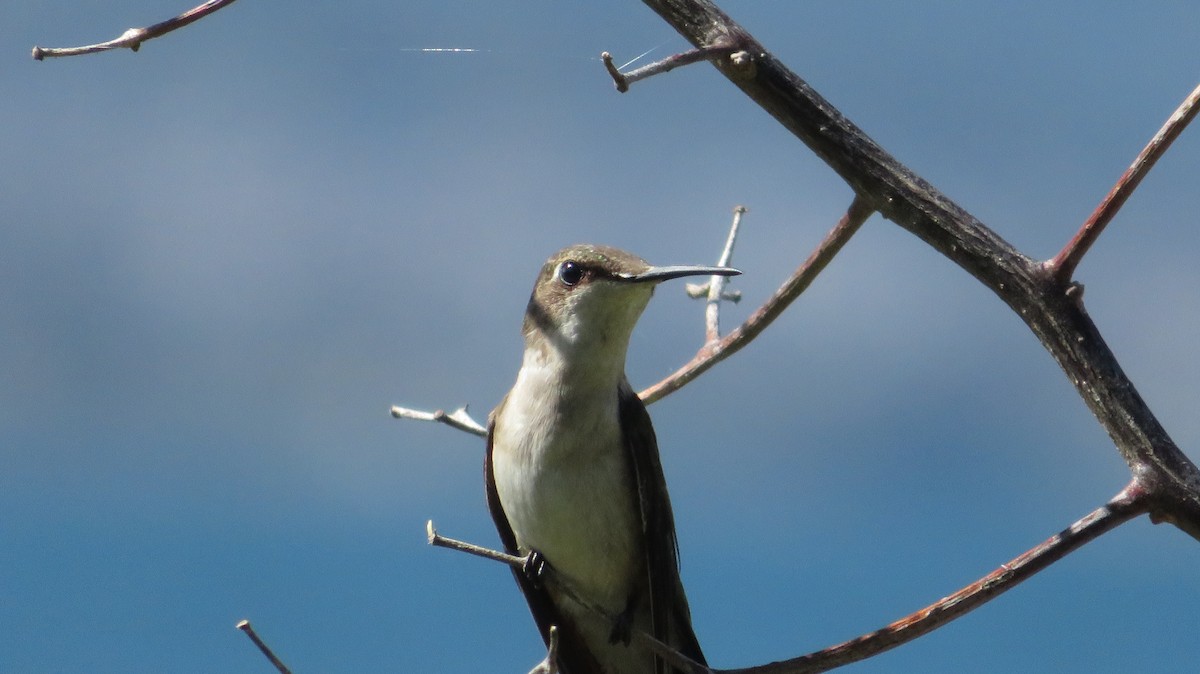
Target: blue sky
pixel 224 257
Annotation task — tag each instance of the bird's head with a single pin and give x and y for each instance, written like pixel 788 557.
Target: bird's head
pixel 587 298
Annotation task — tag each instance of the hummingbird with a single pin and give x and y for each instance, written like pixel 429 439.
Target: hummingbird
pixel 573 472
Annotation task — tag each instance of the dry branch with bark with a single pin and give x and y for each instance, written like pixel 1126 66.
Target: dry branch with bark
pixel 1164 483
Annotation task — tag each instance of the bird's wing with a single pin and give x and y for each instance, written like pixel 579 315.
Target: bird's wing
pixel 668 605
pixel 573 656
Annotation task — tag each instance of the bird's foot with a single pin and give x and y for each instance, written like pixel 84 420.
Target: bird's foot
pixel 534 568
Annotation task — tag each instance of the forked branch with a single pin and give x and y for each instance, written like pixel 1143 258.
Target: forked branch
pixel 1050 306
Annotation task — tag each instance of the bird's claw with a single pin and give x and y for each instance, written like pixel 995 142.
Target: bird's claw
pixel 534 568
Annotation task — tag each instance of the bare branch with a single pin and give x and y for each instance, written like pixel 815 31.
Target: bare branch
pixel 716 284
pixel 1052 309
pixel 1062 266
pixel 1128 504
pixel 133 38
pixel 262 646
pixel 459 419
pixel 623 80
pixel 439 541
pixel 714 352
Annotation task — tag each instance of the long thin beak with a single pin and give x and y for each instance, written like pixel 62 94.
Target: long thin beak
pixel 658 274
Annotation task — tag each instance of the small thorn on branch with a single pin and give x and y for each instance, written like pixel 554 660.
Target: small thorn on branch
pixel 244 626
pixel 623 80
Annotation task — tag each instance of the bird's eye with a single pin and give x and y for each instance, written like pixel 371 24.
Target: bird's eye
pixel 570 273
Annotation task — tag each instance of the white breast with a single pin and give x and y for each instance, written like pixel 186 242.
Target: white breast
pixel 564 481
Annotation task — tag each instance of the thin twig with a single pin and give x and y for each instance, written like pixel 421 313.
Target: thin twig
pixel 439 541
pixel 133 38
pixel 262 646
pixel 714 352
pixel 1062 266
pixel 623 80
pixel 716 284
pixel 459 418
pixel 550 664
pixel 1128 504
